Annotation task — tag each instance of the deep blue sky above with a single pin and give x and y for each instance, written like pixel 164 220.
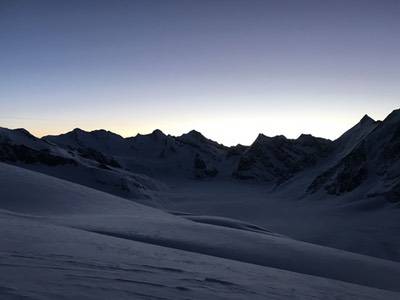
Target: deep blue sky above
pixel 230 69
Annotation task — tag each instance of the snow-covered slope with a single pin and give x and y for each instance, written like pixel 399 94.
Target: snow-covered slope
pixel 44 261
pixel 103 246
pixel 85 166
pixel 246 239
pixel 366 226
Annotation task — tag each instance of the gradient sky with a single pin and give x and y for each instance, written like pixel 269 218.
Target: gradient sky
pixel 230 69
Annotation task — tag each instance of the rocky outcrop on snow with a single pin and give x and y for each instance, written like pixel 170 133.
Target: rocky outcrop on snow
pixel 345 176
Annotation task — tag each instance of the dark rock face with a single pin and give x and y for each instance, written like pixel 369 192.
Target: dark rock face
pixel 391 150
pixel 344 177
pixel 20 153
pixel 199 163
pixel 201 170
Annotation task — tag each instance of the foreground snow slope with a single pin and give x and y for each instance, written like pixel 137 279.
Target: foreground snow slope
pixel 44 261
pixel 50 208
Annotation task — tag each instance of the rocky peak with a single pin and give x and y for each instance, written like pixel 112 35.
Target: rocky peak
pixel 366 120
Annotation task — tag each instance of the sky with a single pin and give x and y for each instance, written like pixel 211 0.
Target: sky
pixel 229 69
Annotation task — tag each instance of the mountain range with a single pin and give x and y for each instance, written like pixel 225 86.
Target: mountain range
pixel 362 163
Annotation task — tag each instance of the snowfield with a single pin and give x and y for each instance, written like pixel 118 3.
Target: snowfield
pixel 64 240
pixel 93 215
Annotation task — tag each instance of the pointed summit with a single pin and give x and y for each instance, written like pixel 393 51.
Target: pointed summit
pixel 366 120
pixel 261 138
pixel 348 140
